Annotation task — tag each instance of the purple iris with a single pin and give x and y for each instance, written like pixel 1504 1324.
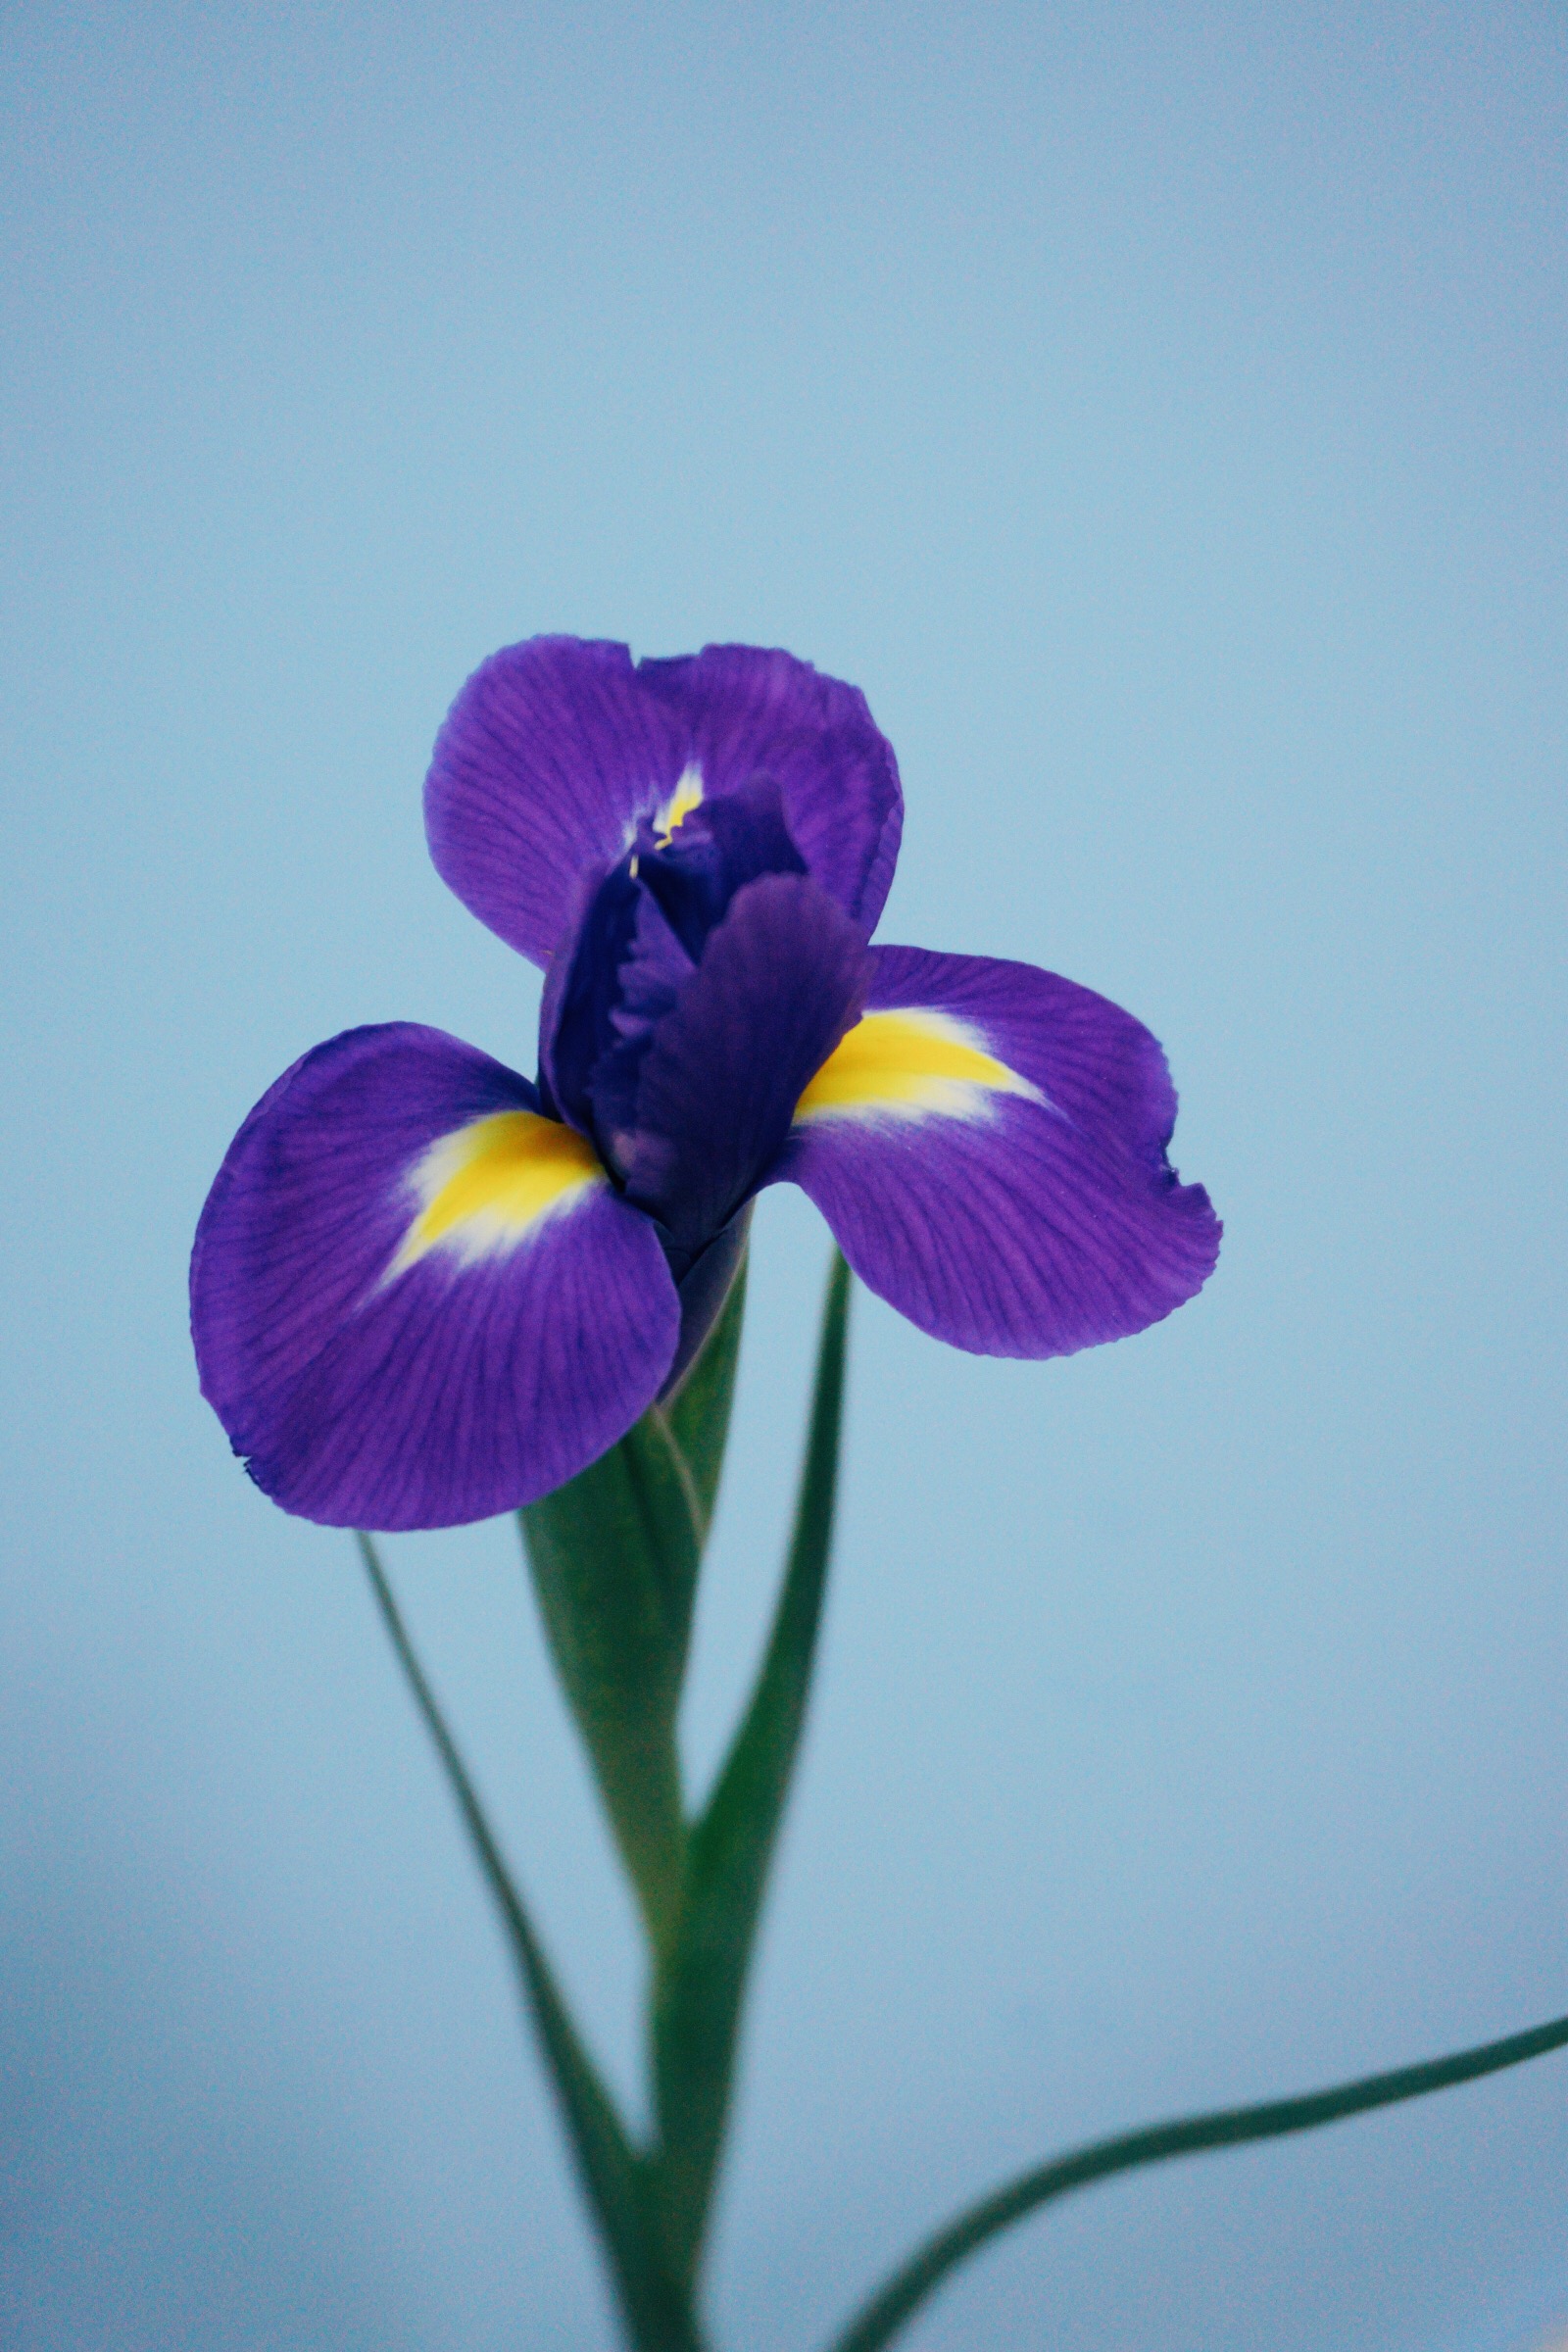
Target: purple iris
pixel 425 1289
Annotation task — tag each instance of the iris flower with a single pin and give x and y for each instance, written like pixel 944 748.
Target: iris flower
pixel 426 1290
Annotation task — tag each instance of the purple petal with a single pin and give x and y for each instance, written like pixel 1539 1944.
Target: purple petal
pixel 547 760
pixel 414 1302
pixel 634 943
pixel 695 872
pixel 780 980
pixel 745 712
pixel 994 1166
pixel 623 972
pixel 556 749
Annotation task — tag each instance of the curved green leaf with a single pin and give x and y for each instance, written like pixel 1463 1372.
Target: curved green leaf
pixel 698 1993
pixel 614 2177
pixel 884 2315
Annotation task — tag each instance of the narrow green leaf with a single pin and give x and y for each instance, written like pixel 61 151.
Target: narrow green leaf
pixel 615 1556
pixel 700 1987
pixel 614 2177
pixel 885 2315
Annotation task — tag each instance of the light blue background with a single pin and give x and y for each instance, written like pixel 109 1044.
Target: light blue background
pixel 1160 412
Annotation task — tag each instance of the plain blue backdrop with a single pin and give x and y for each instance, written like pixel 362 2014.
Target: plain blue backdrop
pixel 1160 410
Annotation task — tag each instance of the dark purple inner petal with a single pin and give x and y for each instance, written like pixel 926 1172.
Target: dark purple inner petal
pixel 580 996
pixel 719 847
pixel 781 980
pixel 640 939
pixel 656 970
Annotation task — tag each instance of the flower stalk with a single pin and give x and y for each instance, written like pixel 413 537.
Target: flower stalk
pixel 615 1559
pixel 427 1289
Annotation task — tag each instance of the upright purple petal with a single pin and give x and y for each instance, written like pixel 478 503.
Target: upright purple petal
pixel 547 760
pixel 989 1145
pixel 556 749
pixel 746 712
pixel 781 978
pixel 414 1300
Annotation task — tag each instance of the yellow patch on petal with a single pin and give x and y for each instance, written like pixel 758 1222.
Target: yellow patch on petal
pixel 483 1189
pixel 687 796
pixel 910 1065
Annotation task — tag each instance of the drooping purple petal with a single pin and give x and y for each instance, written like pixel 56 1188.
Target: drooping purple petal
pixel 995 1165
pixel 780 980
pixel 416 1303
pixel 556 749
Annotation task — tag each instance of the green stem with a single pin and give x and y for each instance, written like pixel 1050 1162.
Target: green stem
pixel 700 1984
pixel 1231 2126
pixel 614 1556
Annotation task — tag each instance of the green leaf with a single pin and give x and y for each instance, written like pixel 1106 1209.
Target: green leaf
pixel 615 2178
pixel 615 1555
pixel 901 2296
pixel 700 1986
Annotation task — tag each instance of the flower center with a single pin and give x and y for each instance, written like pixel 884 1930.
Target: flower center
pixel 687 796
pixel 643 937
